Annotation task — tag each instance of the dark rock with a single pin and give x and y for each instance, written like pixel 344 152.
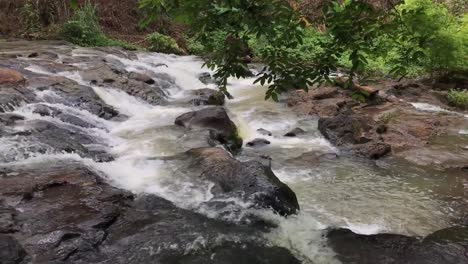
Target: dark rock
pixel 221 128
pixel 208 97
pixel 141 77
pixel 258 142
pixel 206 78
pixel 447 246
pixel 257 183
pixel 295 132
pixel 381 129
pixel 264 132
pixel 7 223
pixel 11 252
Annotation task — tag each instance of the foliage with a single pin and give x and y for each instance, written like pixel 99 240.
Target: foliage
pixel 31 19
pixel 416 37
pixel 161 43
pixel 83 29
pixel 458 98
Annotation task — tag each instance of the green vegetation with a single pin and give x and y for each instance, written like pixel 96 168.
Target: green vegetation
pixel 83 29
pixel 30 16
pixel 161 43
pixel 458 98
pixel 414 38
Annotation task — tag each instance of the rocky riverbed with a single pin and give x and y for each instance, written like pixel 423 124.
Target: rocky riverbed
pixel 111 156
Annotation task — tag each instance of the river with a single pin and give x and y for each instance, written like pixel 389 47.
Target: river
pixel 365 196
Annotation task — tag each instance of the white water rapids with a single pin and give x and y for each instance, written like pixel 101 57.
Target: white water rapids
pixel 337 193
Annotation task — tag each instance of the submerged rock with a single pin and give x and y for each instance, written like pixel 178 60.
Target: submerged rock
pixel 217 121
pixel 447 246
pixel 295 132
pixel 258 142
pixel 250 181
pixel 264 132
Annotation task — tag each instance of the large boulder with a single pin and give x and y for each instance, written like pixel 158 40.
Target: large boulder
pixel 354 135
pixel 70 215
pixel 217 121
pixel 447 246
pixel 250 181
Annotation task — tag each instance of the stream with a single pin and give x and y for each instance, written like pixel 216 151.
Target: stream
pixel 368 197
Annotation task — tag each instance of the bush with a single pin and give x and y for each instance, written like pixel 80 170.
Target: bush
pixel 162 43
pixel 83 29
pixel 458 98
pixel 194 46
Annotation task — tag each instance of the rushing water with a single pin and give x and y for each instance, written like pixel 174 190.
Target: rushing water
pixel 367 197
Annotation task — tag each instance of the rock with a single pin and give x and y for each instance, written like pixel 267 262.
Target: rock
pixel 249 181
pixel 343 129
pixel 45 110
pixel 208 97
pixel 11 251
pixel 11 77
pixel 442 247
pixel 40 136
pixel 264 132
pixel 141 77
pixel 206 78
pixel 295 132
pixel 258 142
pixel 104 75
pixel 371 150
pixel 69 214
pixel 217 121
pixel 381 129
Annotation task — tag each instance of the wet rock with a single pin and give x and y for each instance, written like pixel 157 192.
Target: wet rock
pixel 11 251
pixel 442 247
pixel 39 137
pixel 257 183
pixel 206 78
pixel 45 110
pixel 141 77
pixel 10 101
pixel 208 97
pixel 70 93
pixel 7 222
pixel 264 132
pixel 234 253
pixel 104 75
pixel 11 77
pixel 217 121
pixel 258 142
pixel 324 102
pixel 295 132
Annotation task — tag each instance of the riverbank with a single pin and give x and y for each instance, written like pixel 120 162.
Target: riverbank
pixel 113 155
